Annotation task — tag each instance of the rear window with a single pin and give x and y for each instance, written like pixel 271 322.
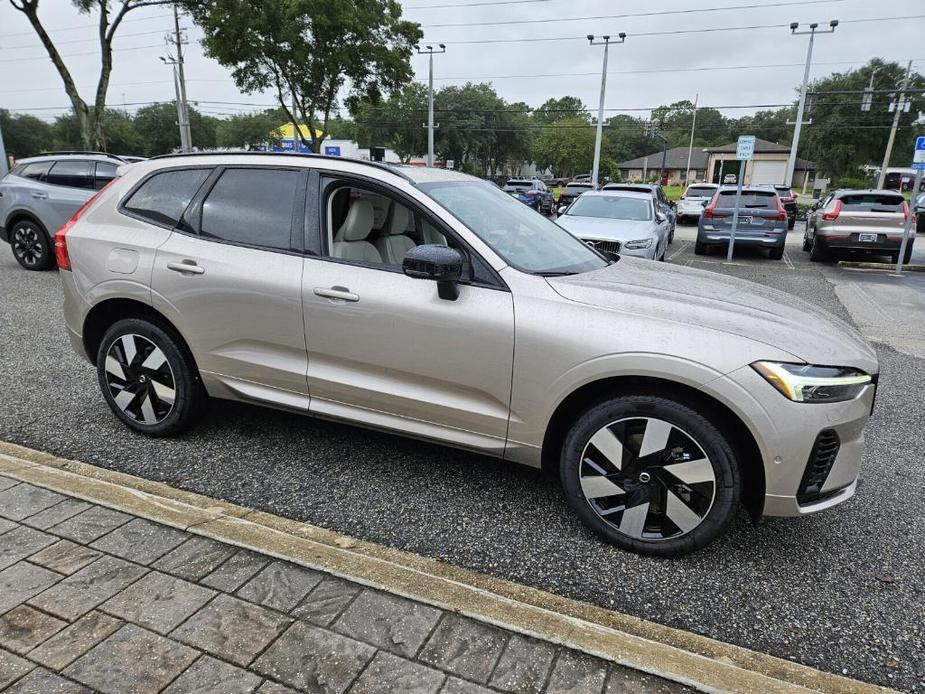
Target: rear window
pixel 164 197
pixel 700 192
pixel 872 202
pixel 577 187
pixel 70 173
pixel 754 199
pixel 517 185
pixel 783 191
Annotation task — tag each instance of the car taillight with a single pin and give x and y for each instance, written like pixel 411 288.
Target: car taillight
pixel 833 214
pixel 61 255
pixel 905 210
pixel 781 212
pixel 710 210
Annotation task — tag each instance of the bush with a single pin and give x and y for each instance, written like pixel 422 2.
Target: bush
pixel 852 182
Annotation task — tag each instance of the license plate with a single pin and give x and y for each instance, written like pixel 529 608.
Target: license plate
pixel 867 238
pixel 745 220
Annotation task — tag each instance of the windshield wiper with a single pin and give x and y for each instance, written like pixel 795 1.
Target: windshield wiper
pixel 556 274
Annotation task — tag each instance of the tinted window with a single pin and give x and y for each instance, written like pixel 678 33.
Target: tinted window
pixel 577 187
pixel 165 196
pixel 74 174
pixel 872 202
pixel 750 198
pixel 105 172
pixel 700 192
pixel 251 206
pixel 34 171
pixel 517 185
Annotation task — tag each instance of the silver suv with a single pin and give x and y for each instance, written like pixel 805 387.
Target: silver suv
pixel 41 193
pixel 432 304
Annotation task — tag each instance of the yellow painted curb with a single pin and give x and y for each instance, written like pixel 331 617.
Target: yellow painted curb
pixel 863 265
pixel 692 659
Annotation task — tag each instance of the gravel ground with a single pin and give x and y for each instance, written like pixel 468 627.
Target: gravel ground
pixel 842 590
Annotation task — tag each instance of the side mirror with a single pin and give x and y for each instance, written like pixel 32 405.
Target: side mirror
pixel 439 263
pixel 659 217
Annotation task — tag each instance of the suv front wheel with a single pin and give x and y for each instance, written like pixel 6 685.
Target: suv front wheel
pixel 148 378
pixel 31 245
pixel 650 475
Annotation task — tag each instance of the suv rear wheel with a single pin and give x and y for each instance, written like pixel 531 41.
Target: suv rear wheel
pixel 650 474
pixel 31 245
pixel 148 378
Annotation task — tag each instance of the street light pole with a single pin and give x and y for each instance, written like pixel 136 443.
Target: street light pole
pixel 801 107
pixel 595 169
pixel 896 116
pixel 690 149
pixel 4 162
pixel 430 98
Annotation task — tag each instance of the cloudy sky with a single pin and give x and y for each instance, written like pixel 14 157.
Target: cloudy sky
pixel 672 52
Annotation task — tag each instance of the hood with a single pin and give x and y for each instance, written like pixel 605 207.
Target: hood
pixel 609 229
pixel 719 302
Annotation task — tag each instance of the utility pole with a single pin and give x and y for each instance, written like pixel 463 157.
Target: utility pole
pixel 179 82
pixel 600 108
pixel 690 149
pixel 896 116
pixel 430 99
pixel 296 142
pixel 792 161
pixel 4 162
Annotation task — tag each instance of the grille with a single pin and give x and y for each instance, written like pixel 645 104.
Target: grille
pixel 820 462
pixel 610 246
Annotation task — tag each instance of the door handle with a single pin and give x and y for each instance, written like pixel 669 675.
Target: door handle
pixel 40 196
pixel 186 267
pixel 341 293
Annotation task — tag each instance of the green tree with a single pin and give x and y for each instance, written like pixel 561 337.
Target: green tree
pixel 157 124
pixel 567 146
pixel 24 135
pixel 394 122
pixel 768 125
pixel 307 51
pixel 110 15
pixel 246 130
pixel 674 122
pixel 566 107
pixel 624 138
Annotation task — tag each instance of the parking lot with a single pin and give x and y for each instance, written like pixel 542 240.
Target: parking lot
pixel 842 590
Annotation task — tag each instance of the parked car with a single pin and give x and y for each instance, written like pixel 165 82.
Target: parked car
pixel 41 193
pixel 570 193
pixel 919 211
pixel 668 207
pixel 690 206
pixel 623 222
pixel 789 201
pixel 762 221
pixel 386 296
pixel 730 179
pixel 531 192
pixel 581 178
pixel 863 221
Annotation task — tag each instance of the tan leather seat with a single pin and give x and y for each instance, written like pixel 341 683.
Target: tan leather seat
pixel 393 243
pixel 350 241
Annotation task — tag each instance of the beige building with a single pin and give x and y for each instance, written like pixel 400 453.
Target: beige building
pixel 768 165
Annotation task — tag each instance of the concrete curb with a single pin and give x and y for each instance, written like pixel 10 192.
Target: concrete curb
pixel 698 661
pixel 879 266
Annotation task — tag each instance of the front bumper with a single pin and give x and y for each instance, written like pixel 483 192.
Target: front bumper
pixel 787 432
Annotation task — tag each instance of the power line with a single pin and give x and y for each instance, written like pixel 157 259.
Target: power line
pixel 94 39
pixel 660 13
pixel 75 55
pixel 705 30
pixel 85 26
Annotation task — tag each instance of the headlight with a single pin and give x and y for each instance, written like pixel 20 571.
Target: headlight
pixel 638 244
pixel 808 383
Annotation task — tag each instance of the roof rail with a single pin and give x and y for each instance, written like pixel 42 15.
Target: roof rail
pixel 78 152
pixel 394 168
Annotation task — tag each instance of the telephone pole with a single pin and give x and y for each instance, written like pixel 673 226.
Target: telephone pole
pixel 801 107
pixel 896 116
pixel 4 162
pixel 690 149
pixel 179 79
pixel 600 107
pixel 430 99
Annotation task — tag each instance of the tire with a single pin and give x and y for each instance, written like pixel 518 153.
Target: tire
pixel 700 248
pixel 807 246
pixel 32 246
pixel 150 363
pixel 671 236
pixel 791 223
pixel 776 253
pixel 676 516
pixel 907 256
pixel 817 253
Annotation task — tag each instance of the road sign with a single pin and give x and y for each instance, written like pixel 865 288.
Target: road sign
pixel 745 147
pixel 450 164
pixel 918 159
pixel 332 150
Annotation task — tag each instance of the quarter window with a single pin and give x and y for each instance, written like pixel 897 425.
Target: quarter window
pixel 73 174
pixel 164 197
pixel 253 207
pixel 35 171
pixel 105 172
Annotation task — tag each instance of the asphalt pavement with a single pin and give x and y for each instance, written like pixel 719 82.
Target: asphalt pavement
pixel 841 591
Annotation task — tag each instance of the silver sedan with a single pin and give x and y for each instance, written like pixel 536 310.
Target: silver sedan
pixel 620 222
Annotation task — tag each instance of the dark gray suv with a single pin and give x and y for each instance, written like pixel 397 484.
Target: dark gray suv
pixel 41 193
pixel 762 221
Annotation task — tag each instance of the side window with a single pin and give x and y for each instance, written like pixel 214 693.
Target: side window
pixel 105 172
pixel 374 228
pixel 34 171
pixel 70 173
pixel 252 207
pixel 164 197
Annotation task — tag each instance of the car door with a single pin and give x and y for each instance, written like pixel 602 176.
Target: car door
pixel 384 349
pixel 230 278
pixel 69 186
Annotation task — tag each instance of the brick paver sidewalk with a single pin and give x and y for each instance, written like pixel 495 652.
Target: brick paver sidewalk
pixel 92 599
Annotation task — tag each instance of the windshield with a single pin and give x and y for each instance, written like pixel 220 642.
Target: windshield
pixel 700 192
pixel 524 239
pixel 611 207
